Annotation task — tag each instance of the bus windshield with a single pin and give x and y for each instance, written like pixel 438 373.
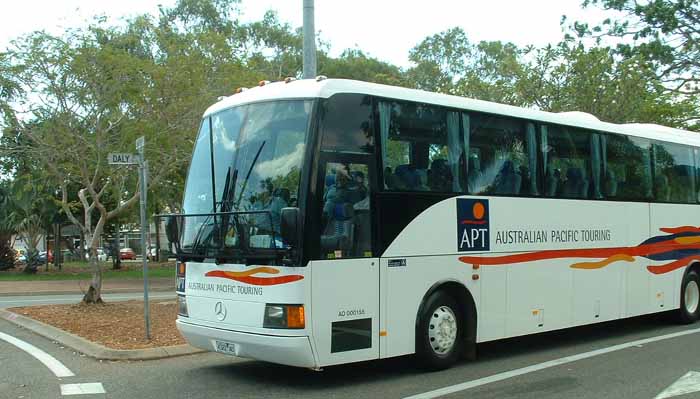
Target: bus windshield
pixel 255 153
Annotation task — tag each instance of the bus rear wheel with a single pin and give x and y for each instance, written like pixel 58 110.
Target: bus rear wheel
pixel 689 311
pixel 439 334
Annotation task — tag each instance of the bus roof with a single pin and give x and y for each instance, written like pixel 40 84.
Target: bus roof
pixel 312 88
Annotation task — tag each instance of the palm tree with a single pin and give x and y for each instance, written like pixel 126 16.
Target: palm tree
pixel 32 209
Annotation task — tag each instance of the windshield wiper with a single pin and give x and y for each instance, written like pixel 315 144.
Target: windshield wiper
pixel 229 191
pixel 247 176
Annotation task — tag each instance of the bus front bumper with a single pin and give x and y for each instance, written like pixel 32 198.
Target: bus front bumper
pixel 291 351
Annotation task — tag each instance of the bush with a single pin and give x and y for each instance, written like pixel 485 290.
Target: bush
pixel 33 262
pixel 7 257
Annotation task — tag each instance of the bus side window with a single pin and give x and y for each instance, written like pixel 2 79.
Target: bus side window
pixel 673 173
pixel 502 156
pixel 422 148
pixel 346 224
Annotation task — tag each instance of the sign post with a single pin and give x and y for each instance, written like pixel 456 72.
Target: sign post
pixel 118 158
pixel 143 181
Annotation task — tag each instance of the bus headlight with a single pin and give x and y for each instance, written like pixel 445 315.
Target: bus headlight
pixel 284 316
pixel 182 306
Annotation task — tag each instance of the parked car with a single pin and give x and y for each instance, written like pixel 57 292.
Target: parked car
pixel 127 253
pixel 46 256
pixel 152 252
pixel 101 255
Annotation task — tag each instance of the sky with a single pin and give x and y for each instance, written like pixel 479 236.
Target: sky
pixel 385 29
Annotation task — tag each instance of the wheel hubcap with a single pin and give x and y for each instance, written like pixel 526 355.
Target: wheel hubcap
pixel 692 297
pixel 442 330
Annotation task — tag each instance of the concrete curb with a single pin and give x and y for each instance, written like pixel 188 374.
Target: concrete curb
pixel 92 349
pixel 77 292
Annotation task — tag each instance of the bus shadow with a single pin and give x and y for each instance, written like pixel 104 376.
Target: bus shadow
pixel 287 377
pixel 386 370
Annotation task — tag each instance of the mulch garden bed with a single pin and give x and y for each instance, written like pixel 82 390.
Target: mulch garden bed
pixel 118 325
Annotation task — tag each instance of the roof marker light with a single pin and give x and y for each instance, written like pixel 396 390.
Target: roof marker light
pixel 289 79
pixel 321 77
pixel 241 90
pixel 263 82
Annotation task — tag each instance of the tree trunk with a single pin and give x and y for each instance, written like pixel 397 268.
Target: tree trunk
pixel 116 245
pixel 46 248
pixel 81 245
pixel 157 221
pixel 94 293
pixel 92 236
pixel 56 245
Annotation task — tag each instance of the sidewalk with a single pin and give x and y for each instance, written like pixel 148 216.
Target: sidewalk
pixel 58 287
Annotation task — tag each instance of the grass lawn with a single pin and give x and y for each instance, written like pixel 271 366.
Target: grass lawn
pixel 81 271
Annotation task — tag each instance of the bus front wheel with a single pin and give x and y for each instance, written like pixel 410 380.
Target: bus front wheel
pixel 439 335
pixel 690 298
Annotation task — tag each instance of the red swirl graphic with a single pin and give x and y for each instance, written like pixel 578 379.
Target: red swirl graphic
pixel 246 277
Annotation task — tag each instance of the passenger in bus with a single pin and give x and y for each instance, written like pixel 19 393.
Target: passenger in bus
pixel 525 186
pixel 440 177
pixel 329 187
pixel 357 190
pixel 507 181
pixel 390 180
pixel 576 184
pixel 337 194
pixel 422 180
pixel 407 177
pixel 280 199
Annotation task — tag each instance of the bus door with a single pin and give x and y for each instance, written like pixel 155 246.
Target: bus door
pixel 345 278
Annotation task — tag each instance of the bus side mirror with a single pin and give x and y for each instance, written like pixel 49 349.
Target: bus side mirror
pixel 289 225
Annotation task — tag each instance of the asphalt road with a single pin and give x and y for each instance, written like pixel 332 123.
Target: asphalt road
pixel 639 371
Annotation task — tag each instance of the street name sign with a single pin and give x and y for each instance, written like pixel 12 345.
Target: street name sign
pixel 116 158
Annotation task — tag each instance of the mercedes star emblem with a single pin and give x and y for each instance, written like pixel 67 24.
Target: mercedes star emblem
pixel 220 311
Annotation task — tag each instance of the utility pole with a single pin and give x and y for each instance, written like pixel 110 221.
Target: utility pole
pixel 309 40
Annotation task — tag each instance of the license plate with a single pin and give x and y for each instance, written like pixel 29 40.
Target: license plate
pixel 226 347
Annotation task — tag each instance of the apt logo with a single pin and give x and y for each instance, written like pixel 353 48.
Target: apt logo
pixel 472 224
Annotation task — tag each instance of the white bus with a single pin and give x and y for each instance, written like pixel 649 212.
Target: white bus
pixel 333 221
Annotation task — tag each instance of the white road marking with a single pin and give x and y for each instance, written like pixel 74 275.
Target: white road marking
pixel 690 382
pixel 49 361
pixel 541 366
pixel 91 388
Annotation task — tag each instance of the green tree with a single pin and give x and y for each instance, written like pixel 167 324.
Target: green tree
pixel 664 33
pixel 449 63
pixel 569 77
pixel 354 64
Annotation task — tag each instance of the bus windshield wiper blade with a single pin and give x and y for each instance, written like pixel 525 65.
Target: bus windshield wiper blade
pixel 229 191
pixel 247 176
pixel 198 236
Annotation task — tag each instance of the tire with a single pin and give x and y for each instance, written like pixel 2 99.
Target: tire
pixel 689 311
pixel 439 332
